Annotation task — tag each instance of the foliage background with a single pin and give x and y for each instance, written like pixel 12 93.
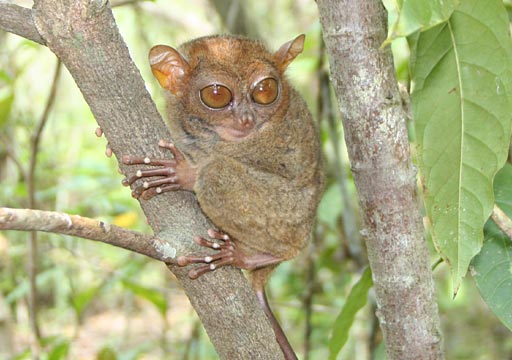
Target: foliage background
pixel 102 302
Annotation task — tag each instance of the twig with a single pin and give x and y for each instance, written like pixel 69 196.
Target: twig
pixel 32 253
pixel 502 220
pixel 309 293
pixel 36 138
pixel 74 225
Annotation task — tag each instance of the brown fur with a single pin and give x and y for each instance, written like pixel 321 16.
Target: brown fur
pixel 261 189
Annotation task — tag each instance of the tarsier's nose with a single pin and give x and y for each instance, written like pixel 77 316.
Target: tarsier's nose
pixel 247 119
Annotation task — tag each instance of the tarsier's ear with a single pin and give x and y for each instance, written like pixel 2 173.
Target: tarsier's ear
pixel 169 67
pixel 289 51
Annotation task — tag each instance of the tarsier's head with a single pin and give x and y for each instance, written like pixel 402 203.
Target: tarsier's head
pixel 234 85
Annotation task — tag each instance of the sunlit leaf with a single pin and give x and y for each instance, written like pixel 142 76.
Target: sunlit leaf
pixel 408 16
pixel 59 351
pixel 23 355
pixel 126 219
pixel 355 301
pixel 493 266
pixel 6 101
pixel 462 111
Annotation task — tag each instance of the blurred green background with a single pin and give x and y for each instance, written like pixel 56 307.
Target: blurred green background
pixel 101 302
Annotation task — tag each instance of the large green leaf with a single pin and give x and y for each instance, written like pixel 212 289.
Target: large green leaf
pixel 461 106
pixel 408 16
pixel 355 301
pixel 493 266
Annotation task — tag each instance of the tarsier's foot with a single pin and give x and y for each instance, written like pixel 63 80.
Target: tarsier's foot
pixel 228 254
pixel 175 174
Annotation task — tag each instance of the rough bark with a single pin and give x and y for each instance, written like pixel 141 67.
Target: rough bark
pixel 376 135
pixel 83 34
pixel 92 229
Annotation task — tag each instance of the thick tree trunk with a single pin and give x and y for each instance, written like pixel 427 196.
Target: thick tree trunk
pixel 374 122
pixel 83 34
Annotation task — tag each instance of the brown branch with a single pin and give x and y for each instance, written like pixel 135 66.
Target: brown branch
pixel 502 220
pixel 379 151
pixel 18 20
pixel 92 229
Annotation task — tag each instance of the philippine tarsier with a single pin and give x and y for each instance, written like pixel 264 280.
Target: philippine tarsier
pixel 245 143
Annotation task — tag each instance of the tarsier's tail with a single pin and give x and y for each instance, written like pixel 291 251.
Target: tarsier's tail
pixel 258 279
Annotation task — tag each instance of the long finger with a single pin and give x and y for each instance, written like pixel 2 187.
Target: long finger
pixel 151 192
pixel 170 146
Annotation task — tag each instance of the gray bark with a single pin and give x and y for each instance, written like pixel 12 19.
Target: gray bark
pixel 376 135
pixel 83 34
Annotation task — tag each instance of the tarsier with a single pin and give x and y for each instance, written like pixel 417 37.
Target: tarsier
pixel 245 143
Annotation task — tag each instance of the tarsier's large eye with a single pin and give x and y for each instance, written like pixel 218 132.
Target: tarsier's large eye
pixel 216 96
pixel 265 92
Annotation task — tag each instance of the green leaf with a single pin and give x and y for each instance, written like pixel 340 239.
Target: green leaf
pixel 492 268
pixel 461 106
pixel 330 207
pixel 408 16
pixel 81 299
pixel 6 101
pixel 23 355
pixel 106 353
pixel 153 296
pixel 355 301
pixel 59 351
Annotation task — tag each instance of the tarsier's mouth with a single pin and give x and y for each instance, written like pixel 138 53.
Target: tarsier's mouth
pixel 232 134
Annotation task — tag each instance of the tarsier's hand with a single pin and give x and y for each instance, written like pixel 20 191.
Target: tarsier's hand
pixel 175 174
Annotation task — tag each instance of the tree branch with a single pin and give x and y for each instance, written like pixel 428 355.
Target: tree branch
pixel 376 136
pixel 18 20
pixel 32 252
pixel 84 36
pixel 502 220
pixel 75 225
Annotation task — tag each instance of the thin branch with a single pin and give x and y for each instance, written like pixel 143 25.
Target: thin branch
pixel 92 229
pixel 502 220
pixel 36 138
pixel 11 155
pixel 309 293
pixel 18 20
pixel 32 252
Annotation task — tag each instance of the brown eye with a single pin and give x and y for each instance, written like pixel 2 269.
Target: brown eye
pixel 265 92
pixel 216 96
